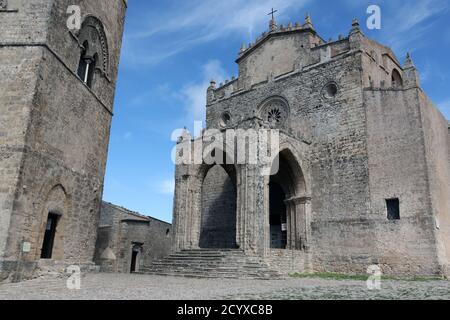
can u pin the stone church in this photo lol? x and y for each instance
(364, 158)
(364, 166)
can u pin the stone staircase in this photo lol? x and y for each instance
(206, 263)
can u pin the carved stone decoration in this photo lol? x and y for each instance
(92, 30)
(3, 4)
(275, 112)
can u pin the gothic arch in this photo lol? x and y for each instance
(287, 205)
(396, 78)
(93, 32)
(218, 214)
(289, 174)
(56, 203)
(300, 164)
(204, 168)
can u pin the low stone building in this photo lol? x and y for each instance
(128, 241)
(364, 165)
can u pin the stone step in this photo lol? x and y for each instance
(210, 260)
(209, 263)
(205, 276)
(205, 262)
(206, 266)
(206, 269)
(215, 273)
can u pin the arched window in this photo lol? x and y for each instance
(90, 72)
(86, 65)
(94, 55)
(397, 81)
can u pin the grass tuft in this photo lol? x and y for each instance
(359, 277)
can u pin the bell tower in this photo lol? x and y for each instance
(57, 85)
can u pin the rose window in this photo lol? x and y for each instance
(275, 113)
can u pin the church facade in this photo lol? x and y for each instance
(364, 165)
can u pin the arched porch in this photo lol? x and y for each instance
(287, 204)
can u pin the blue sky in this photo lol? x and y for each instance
(173, 48)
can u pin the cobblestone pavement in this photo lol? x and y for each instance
(147, 287)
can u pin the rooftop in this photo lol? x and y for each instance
(137, 216)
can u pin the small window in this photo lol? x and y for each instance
(393, 209)
(82, 63)
(87, 65)
(330, 90)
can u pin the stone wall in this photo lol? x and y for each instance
(58, 129)
(397, 167)
(120, 230)
(289, 261)
(435, 130)
(16, 105)
(218, 226)
(279, 54)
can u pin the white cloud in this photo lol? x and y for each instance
(199, 21)
(413, 15)
(194, 94)
(409, 22)
(431, 72)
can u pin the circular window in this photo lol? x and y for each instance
(275, 113)
(330, 90)
(225, 120)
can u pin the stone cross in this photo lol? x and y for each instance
(272, 13)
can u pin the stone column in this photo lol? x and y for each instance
(303, 205)
(289, 225)
(179, 209)
(194, 211)
(266, 213)
(187, 210)
(240, 214)
(261, 216)
(308, 217)
(292, 223)
(251, 210)
(297, 211)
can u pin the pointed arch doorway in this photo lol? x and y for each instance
(218, 208)
(287, 200)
